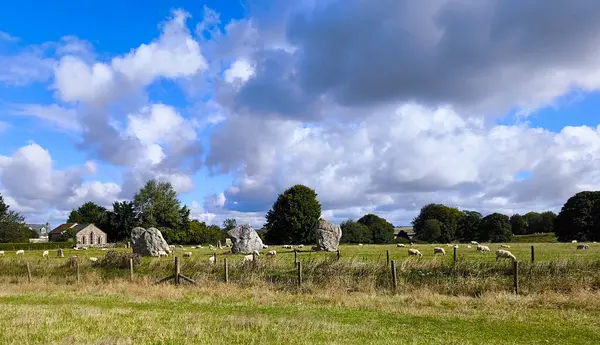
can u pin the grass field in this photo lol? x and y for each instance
(341, 302)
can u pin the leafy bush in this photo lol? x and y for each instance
(114, 259)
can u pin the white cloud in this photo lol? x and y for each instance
(4, 36)
(63, 119)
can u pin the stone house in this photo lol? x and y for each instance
(87, 235)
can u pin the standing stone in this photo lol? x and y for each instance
(148, 242)
(60, 253)
(228, 242)
(244, 239)
(328, 236)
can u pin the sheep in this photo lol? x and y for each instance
(455, 246)
(482, 249)
(20, 252)
(248, 258)
(505, 254)
(93, 259)
(439, 250)
(583, 246)
(300, 246)
(412, 244)
(400, 245)
(75, 248)
(449, 245)
(360, 244)
(414, 252)
(172, 247)
(180, 246)
(212, 259)
(103, 249)
(45, 254)
(474, 243)
(194, 247)
(2, 252)
(84, 248)
(271, 253)
(265, 246)
(574, 241)
(504, 246)
(187, 254)
(287, 246)
(469, 246)
(162, 253)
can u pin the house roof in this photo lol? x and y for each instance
(63, 227)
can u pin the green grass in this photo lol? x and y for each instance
(535, 238)
(123, 313)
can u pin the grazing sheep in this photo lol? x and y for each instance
(482, 249)
(45, 254)
(439, 250)
(180, 246)
(265, 246)
(103, 249)
(1, 252)
(412, 244)
(574, 241)
(93, 259)
(162, 253)
(287, 246)
(360, 244)
(248, 258)
(449, 245)
(414, 252)
(75, 248)
(172, 247)
(504, 246)
(474, 243)
(84, 248)
(194, 247)
(300, 246)
(505, 254)
(400, 245)
(20, 252)
(187, 254)
(583, 246)
(469, 246)
(271, 253)
(212, 259)
(455, 246)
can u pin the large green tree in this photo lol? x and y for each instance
(579, 218)
(447, 217)
(381, 230)
(518, 224)
(547, 221)
(495, 228)
(355, 232)
(467, 226)
(122, 219)
(156, 205)
(89, 213)
(293, 217)
(12, 225)
(431, 229)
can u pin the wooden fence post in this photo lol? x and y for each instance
(131, 269)
(295, 257)
(387, 257)
(338, 254)
(226, 271)
(28, 273)
(516, 276)
(215, 258)
(532, 255)
(454, 255)
(177, 270)
(77, 268)
(394, 276)
(299, 273)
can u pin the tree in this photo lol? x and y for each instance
(518, 224)
(467, 226)
(381, 230)
(446, 216)
(12, 225)
(74, 217)
(402, 237)
(122, 220)
(354, 232)
(293, 217)
(432, 229)
(229, 224)
(156, 205)
(495, 228)
(534, 222)
(89, 213)
(547, 222)
(578, 218)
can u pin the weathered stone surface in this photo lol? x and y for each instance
(148, 242)
(244, 239)
(228, 242)
(60, 253)
(328, 236)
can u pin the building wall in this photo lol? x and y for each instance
(91, 236)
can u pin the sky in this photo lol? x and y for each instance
(380, 106)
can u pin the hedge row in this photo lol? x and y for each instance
(35, 246)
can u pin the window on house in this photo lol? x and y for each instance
(99, 239)
(91, 238)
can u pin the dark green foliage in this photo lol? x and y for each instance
(467, 226)
(446, 216)
(547, 222)
(114, 259)
(229, 224)
(293, 217)
(200, 233)
(518, 224)
(381, 231)
(354, 232)
(88, 213)
(122, 220)
(431, 230)
(12, 225)
(579, 218)
(495, 228)
(68, 235)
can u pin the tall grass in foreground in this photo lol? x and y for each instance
(468, 278)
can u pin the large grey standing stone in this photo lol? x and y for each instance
(148, 242)
(328, 236)
(244, 239)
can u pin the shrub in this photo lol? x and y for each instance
(114, 259)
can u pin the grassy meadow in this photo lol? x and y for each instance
(350, 301)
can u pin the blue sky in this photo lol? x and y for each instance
(98, 97)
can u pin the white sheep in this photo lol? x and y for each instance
(212, 259)
(360, 244)
(483, 249)
(172, 247)
(271, 253)
(194, 247)
(1, 252)
(583, 246)
(93, 259)
(449, 244)
(574, 241)
(400, 245)
(45, 254)
(20, 252)
(265, 246)
(469, 246)
(505, 254)
(180, 246)
(474, 243)
(287, 246)
(456, 246)
(439, 250)
(504, 246)
(248, 258)
(75, 248)
(414, 252)
(103, 249)
(300, 246)
(84, 248)
(162, 253)
(187, 254)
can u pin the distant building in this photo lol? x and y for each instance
(408, 229)
(42, 230)
(86, 234)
